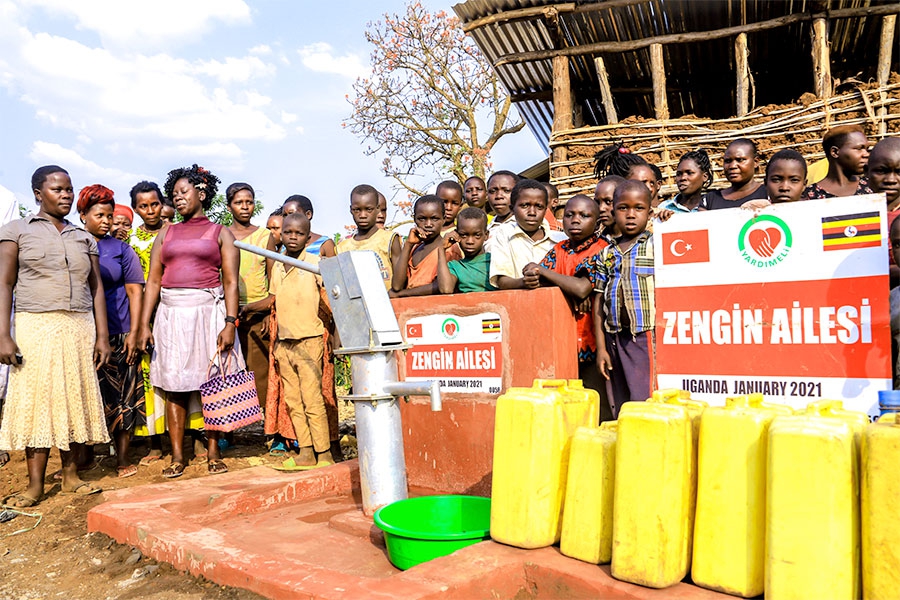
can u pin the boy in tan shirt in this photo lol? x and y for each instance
(300, 348)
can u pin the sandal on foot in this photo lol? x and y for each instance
(127, 471)
(291, 465)
(18, 501)
(150, 459)
(175, 469)
(216, 466)
(82, 489)
(278, 449)
(4, 458)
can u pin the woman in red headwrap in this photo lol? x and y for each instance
(122, 219)
(121, 383)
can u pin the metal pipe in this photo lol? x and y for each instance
(416, 388)
(382, 465)
(279, 257)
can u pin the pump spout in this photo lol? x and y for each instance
(416, 388)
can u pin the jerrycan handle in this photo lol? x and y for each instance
(738, 401)
(549, 383)
(665, 396)
(824, 407)
(610, 426)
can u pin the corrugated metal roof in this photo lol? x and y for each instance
(699, 76)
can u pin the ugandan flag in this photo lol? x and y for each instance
(490, 326)
(848, 232)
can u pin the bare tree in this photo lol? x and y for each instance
(430, 92)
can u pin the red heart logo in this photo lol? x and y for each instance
(450, 329)
(764, 241)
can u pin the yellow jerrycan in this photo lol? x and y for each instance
(812, 499)
(730, 523)
(653, 502)
(588, 513)
(880, 497)
(533, 428)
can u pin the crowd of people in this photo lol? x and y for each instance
(112, 329)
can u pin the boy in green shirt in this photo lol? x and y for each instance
(471, 273)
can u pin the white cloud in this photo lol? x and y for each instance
(288, 118)
(299, 129)
(97, 93)
(261, 50)
(83, 171)
(149, 25)
(236, 70)
(320, 57)
(255, 99)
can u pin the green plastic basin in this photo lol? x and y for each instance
(419, 529)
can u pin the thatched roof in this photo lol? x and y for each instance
(518, 36)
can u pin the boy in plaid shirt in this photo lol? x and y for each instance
(624, 304)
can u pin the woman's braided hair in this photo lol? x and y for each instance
(701, 159)
(616, 159)
(198, 177)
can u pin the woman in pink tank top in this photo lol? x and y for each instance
(194, 280)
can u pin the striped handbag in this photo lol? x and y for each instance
(230, 400)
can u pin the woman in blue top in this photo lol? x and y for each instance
(121, 381)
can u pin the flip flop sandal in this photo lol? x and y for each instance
(19, 501)
(128, 471)
(150, 459)
(82, 489)
(291, 465)
(278, 449)
(175, 469)
(216, 466)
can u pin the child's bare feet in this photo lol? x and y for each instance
(306, 457)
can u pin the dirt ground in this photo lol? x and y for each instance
(59, 559)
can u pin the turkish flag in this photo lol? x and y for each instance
(685, 247)
(413, 330)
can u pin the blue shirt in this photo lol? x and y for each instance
(625, 279)
(119, 264)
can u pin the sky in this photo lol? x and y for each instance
(119, 91)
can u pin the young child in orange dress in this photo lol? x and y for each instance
(415, 269)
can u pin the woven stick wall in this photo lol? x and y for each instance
(775, 127)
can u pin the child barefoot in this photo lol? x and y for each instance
(415, 268)
(624, 310)
(470, 273)
(369, 236)
(300, 347)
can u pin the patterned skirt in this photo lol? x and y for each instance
(53, 398)
(122, 389)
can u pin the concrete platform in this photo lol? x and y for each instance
(303, 535)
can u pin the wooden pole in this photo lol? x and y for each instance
(888, 24)
(658, 72)
(821, 58)
(695, 36)
(605, 92)
(562, 94)
(742, 64)
(562, 114)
